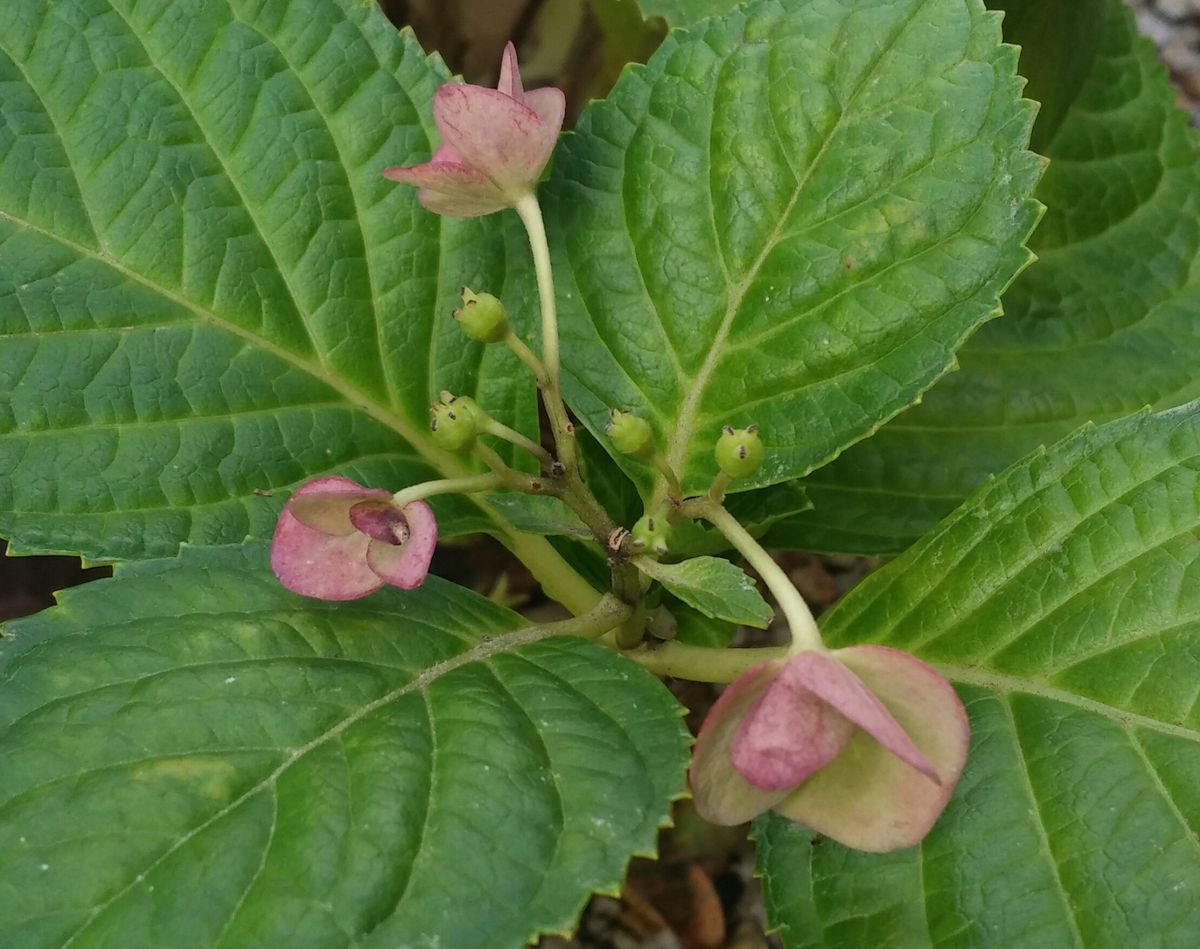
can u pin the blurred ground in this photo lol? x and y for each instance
(701, 894)
(1174, 25)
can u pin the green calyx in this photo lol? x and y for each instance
(651, 535)
(739, 451)
(630, 435)
(454, 421)
(482, 317)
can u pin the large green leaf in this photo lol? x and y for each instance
(1102, 324)
(207, 291)
(791, 216)
(1063, 600)
(194, 757)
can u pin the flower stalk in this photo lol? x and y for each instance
(803, 626)
(490, 426)
(471, 484)
(530, 212)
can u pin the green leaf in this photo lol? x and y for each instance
(792, 216)
(193, 756)
(758, 510)
(207, 291)
(1103, 323)
(713, 586)
(696, 629)
(1063, 600)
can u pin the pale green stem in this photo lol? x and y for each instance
(607, 613)
(510, 477)
(530, 212)
(716, 491)
(668, 473)
(560, 581)
(471, 484)
(702, 664)
(500, 430)
(527, 356)
(799, 618)
(568, 483)
(558, 578)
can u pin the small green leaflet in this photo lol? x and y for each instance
(195, 757)
(792, 216)
(713, 586)
(1063, 600)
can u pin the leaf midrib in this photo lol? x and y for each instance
(1000, 682)
(681, 440)
(442, 461)
(348, 392)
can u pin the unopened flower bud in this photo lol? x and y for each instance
(661, 624)
(453, 423)
(651, 535)
(494, 144)
(739, 451)
(482, 317)
(630, 435)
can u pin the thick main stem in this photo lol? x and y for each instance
(805, 634)
(557, 577)
(700, 663)
(571, 487)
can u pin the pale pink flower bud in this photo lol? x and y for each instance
(336, 540)
(864, 745)
(495, 144)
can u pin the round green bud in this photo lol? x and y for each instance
(482, 317)
(651, 535)
(739, 451)
(661, 624)
(630, 435)
(453, 423)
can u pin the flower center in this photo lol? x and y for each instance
(379, 520)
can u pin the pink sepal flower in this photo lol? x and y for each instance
(495, 144)
(864, 745)
(336, 540)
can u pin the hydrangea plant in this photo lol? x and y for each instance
(283, 304)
